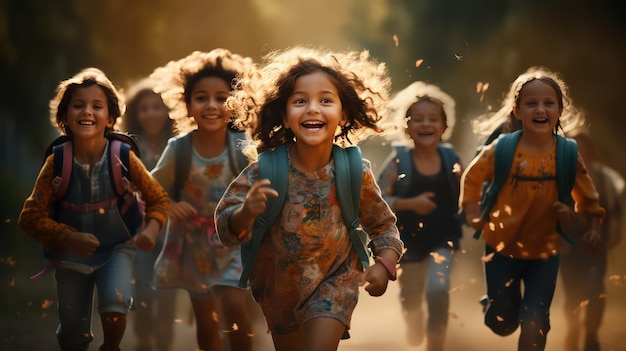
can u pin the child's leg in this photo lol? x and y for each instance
(113, 327)
(115, 296)
(504, 291)
(75, 295)
(236, 321)
(318, 334)
(207, 324)
(322, 334)
(539, 283)
(412, 280)
(437, 296)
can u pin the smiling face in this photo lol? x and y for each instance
(152, 114)
(314, 110)
(207, 104)
(538, 107)
(425, 123)
(88, 113)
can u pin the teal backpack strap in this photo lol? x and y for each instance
(236, 143)
(405, 168)
(348, 178)
(182, 164)
(503, 160)
(449, 158)
(273, 165)
(566, 162)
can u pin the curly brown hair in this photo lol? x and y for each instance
(83, 79)
(260, 101)
(175, 80)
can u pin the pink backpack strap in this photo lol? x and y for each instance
(61, 183)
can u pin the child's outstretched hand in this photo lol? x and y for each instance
(81, 244)
(254, 205)
(181, 210)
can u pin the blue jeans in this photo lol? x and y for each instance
(75, 294)
(510, 308)
(432, 276)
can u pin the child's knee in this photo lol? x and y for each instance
(502, 326)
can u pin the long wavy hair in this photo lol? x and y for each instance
(261, 99)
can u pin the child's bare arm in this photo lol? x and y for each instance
(254, 205)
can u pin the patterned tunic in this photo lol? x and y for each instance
(193, 257)
(307, 267)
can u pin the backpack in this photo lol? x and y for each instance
(129, 202)
(274, 165)
(566, 162)
(183, 151)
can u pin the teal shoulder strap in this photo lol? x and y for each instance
(503, 159)
(182, 164)
(405, 168)
(273, 165)
(236, 143)
(348, 178)
(566, 162)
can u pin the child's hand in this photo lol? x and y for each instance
(593, 237)
(423, 203)
(376, 278)
(146, 239)
(564, 213)
(472, 216)
(81, 244)
(256, 199)
(181, 210)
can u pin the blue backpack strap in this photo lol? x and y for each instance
(236, 143)
(348, 178)
(503, 160)
(449, 158)
(566, 162)
(182, 163)
(273, 165)
(405, 169)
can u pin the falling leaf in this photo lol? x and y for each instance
(584, 304)
(450, 243)
(178, 320)
(453, 315)
(500, 319)
(8, 220)
(458, 57)
(120, 298)
(401, 176)
(439, 259)
(419, 62)
(396, 40)
(508, 283)
(453, 290)
(487, 258)
(12, 282)
(10, 261)
(500, 246)
(46, 304)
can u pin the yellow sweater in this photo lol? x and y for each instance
(523, 220)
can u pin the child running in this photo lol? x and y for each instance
(94, 244)
(522, 228)
(196, 88)
(420, 182)
(148, 118)
(307, 274)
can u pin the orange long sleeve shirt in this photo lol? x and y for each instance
(523, 220)
(36, 216)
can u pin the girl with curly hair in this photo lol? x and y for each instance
(307, 274)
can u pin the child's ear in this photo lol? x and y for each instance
(344, 119)
(111, 122)
(514, 111)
